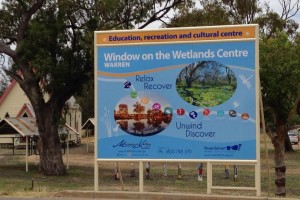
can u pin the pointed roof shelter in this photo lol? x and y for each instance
(89, 124)
(12, 128)
(18, 120)
(26, 126)
(89, 127)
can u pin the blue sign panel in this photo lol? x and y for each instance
(184, 100)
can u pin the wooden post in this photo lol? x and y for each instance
(116, 174)
(121, 178)
(26, 153)
(141, 177)
(68, 143)
(165, 170)
(13, 145)
(265, 143)
(209, 177)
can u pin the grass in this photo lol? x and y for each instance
(15, 182)
(206, 97)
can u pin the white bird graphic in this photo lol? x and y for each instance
(236, 104)
(246, 80)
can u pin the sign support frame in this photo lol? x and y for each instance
(210, 162)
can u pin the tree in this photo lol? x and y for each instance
(50, 43)
(85, 99)
(270, 21)
(138, 108)
(3, 81)
(192, 72)
(280, 66)
(242, 11)
(211, 13)
(279, 72)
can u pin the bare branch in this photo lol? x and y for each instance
(289, 9)
(160, 14)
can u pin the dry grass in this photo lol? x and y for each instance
(15, 182)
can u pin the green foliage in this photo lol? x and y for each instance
(270, 22)
(279, 73)
(242, 11)
(58, 41)
(207, 97)
(217, 12)
(86, 100)
(211, 14)
(53, 49)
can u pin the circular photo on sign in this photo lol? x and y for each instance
(143, 115)
(206, 83)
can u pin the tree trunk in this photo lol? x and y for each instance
(51, 162)
(188, 82)
(280, 168)
(288, 144)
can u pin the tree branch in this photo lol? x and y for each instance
(26, 16)
(289, 10)
(14, 76)
(160, 14)
(7, 50)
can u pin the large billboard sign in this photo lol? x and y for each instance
(187, 93)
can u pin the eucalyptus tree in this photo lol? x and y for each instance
(210, 13)
(280, 81)
(51, 45)
(271, 21)
(242, 11)
(217, 12)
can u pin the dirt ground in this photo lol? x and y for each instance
(79, 155)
